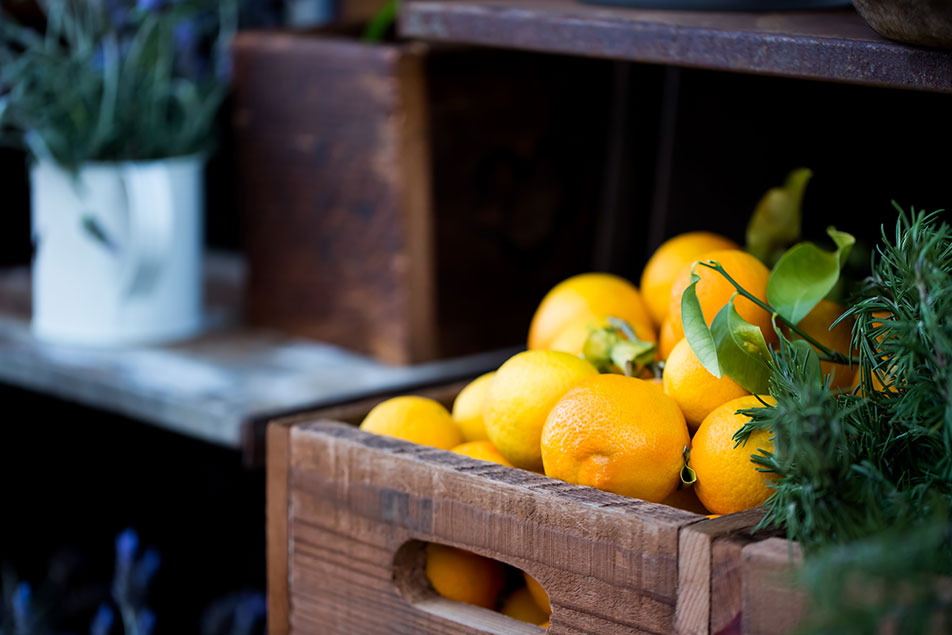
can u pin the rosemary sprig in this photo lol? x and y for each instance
(864, 481)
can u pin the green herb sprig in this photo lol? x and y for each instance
(115, 80)
(864, 480)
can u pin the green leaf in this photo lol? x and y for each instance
(805, 274)
(695, 329)
(741, 350)
(775, 223)
(381, 22)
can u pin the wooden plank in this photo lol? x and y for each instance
(277, 510)
(391, 198)
(709, 564)
(771, 603)
(609, 563)
(219, 387)
(326, 129)
(823, 45)
(411, 157)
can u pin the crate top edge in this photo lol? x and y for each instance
(501, 476)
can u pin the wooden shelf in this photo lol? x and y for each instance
(829, 45)
(222, 386)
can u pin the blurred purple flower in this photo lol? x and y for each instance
(145, 622)
(223, 68)
(118, 13)
(22, 618)
(252, 608)
(103, 620)
(189, 59)
(151, 5)
(145, 570)
(127, 543)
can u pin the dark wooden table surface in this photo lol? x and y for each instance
(220, 387)
(835, 45)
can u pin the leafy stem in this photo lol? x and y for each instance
(827, 354)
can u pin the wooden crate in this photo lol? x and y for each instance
(348, 513)
(394, 195)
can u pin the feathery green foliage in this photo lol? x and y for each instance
(109, 80)
(864, 480)
(848, 466)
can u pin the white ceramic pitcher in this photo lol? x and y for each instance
(118, 251)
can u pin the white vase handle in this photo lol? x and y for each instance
(151, 216)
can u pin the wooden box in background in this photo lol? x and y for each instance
(413, 203)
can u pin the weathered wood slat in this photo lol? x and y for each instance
(360, 507)
(823, 45)
(609, 563)
(709, 583)
(771, 603)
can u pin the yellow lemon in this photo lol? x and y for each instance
(714, 291)
(586, 297)
(667, 339)
(415, 419)
(468, 408)
(482, 450)
(696, 391)
(519, 605)
(619, 434)
(727, 480)
(464, 576)
(519, 399)
(668, 260)
(538, 593)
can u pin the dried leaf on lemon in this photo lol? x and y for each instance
(619, 434)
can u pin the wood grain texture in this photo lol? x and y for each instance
(609, 563)
(277, 529)
(771, 605)
(709, 580)
(393, 195)
(222, 386)
(824, 45)
(335, 193)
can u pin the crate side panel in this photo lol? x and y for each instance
(609, 563)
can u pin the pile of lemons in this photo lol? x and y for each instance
(549, 410)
